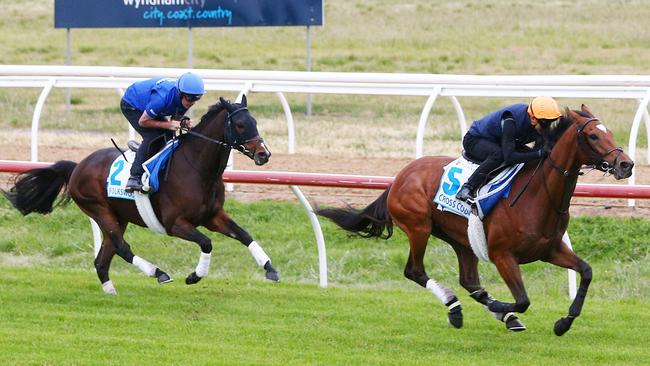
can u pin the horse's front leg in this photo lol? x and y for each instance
(185, 230)
(223, 224)
(509, 270)
(470, 280)
(566, 258)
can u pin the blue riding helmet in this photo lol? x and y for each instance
(191, 84)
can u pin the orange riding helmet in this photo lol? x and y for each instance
(543, 108)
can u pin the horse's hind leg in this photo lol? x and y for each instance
(103, 264)
(223, 224)
(415, 271)
(470, 280)
(114, 233)
(566, 258)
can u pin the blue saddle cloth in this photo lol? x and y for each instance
(157, 163)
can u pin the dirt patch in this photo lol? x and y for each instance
(344, 165)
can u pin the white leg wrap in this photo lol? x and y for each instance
(258, 253)
(204, 265)
(444, 294)
(109, 288)
(146, 267)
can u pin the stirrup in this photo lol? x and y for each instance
(134, 184)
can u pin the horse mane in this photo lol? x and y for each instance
(213, 110)
(557, 129)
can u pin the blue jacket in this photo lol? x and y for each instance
(158, 97)
(489, 127)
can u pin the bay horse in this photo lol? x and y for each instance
(192, 194)
(516, 232)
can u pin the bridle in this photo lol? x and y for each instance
(600, 164)
(599, 159)
(231, 138)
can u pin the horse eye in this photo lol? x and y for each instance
(593, 136)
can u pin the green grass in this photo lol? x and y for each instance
(54, 311)
(58, 317)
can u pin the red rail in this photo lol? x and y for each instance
(357, 181)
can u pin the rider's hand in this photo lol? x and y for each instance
(543, 152)
(174, 125)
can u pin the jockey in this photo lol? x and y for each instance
(147, 105)
(501, 137)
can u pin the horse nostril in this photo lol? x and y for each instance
(626, 165)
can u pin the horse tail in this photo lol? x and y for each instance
(35, 190)
(370, 222)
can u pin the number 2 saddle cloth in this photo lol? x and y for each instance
(120, 171)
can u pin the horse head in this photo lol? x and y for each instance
(240, 132)
(597, 146)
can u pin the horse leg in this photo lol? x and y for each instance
(223, 224)
(566, 258)
(114, 233)
(103, 264)
(185, 230)
(509, 270)
(415, 272)
(470, 280)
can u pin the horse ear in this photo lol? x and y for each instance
(571, 114)
(586, 110)
(226, 104)
(243, 100)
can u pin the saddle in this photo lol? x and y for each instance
(490, 175)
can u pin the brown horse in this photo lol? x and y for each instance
(192, 194)
(525, 231)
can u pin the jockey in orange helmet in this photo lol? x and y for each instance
(501, 137)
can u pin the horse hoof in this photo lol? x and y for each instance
(271, 273)
(514, 324)
(192, 279)
(455, 317)
(164, 278)
(272, 276)
(562, 326)
(109, 288)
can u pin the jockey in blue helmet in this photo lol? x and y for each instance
(154, 108)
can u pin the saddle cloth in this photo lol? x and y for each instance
(118, 175)
(156, 164)
(120, 171)
(457, 172)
